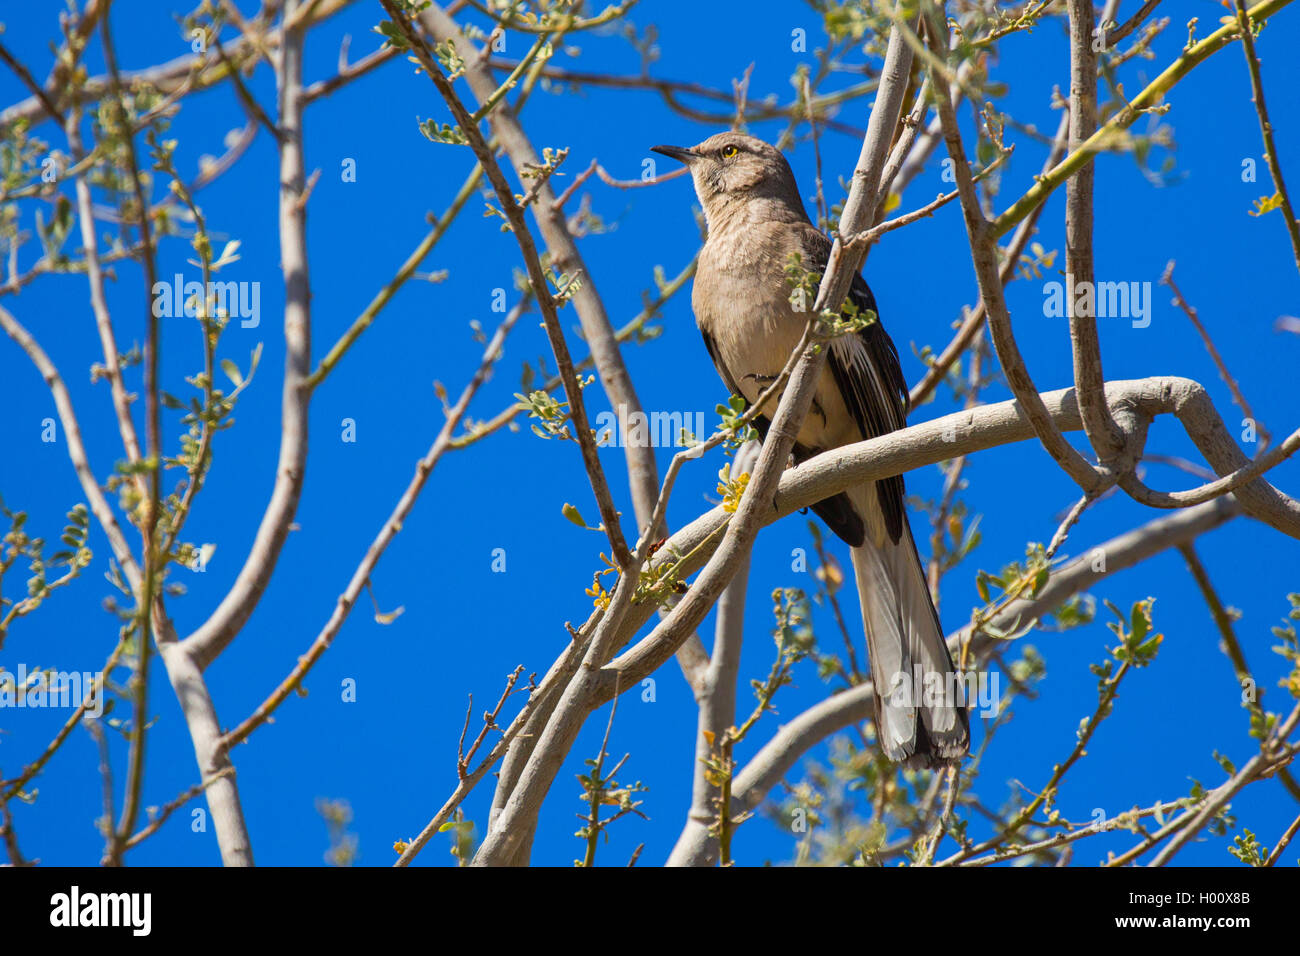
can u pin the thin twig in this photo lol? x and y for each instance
(156, 823)
(1167, 278)
(1283, 842)
(1266, 127)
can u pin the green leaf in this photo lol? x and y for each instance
(1228, 766)
(573, 515)
(232, 371)
(443, 133)
(392, 34)
(1040, 579)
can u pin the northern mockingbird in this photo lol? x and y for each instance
(743, 307)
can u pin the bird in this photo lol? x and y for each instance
(757, 226)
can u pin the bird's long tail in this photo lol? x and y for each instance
(920, 702)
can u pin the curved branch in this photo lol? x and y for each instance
(941, 439)
(216, 633)
(1085, 345)
(982, 237)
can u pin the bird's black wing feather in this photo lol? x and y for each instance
(866, 370)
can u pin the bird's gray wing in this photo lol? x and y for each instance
(865, 368)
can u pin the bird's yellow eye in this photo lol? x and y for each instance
(729, 151)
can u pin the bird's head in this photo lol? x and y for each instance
(732, 170)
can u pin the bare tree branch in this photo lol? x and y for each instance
(717, 703)
(216, 633)
(1085, 346)
(982, 237)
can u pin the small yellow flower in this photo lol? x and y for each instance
(731, 490)
(600, 597)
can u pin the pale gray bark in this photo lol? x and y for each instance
(717, 702)
(213, 636)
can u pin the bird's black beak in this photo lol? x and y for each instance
(679, 153)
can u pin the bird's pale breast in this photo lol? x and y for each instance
(749, 316)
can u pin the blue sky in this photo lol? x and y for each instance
(391, 753)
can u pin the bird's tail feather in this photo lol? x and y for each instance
(920, 703)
